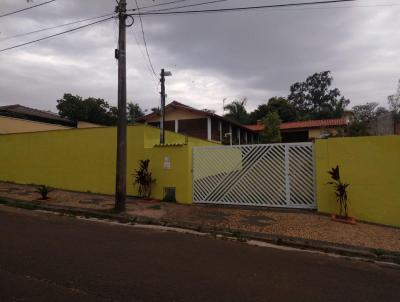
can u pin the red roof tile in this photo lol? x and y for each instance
(304, 124)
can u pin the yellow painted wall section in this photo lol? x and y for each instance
(80, 160)
(84, 160)
(371, 166)
(177, 175)
(16, 125)
(180, 174)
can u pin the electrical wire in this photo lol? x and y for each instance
(144, 38)
(55, 35)
(161, 4)
(245, 8)
(146, 63)
(24, 9)
(188, 5)
(53, 27)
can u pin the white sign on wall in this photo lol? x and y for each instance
(167, 163)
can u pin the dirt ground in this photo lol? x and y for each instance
(303, 224)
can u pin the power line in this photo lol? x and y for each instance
(161, 4)
(146, 63)
(343, 7)
(55, 35)
(188, 5)
(246, 8)
(144, 39)
(24, 9)
(53, 27)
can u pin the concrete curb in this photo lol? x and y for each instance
(299, 243)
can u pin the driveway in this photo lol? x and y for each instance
(44, 257)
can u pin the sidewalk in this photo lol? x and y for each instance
(305, 225)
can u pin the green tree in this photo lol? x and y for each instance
(91, 110)
(134, 112)
(363, 115)
(156, 110)
(286, 110)
(394, 103)
(272, 133)
(237, 111)
(313, 99)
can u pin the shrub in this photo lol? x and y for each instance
(271, 133)
(143, 178)
(44, 191)
(340, 190)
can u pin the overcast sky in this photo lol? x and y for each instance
(212, 56)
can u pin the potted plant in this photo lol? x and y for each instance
(341, 197)
(144, 179)
(44, 191)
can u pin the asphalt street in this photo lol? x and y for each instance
(45, 257)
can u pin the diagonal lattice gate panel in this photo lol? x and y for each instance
(279, 175)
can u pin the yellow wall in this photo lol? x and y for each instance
(84, 159)
(371, 165)
(15, 125)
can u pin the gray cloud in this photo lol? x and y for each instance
(212, 56)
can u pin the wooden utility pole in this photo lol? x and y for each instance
(120, 183)
(162, 120)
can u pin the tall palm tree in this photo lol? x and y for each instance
(237, 111)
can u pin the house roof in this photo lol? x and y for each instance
(22, 112)
(178, 105)
(304, 124)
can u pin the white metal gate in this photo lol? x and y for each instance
(278, 175)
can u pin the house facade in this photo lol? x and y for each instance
(305, 131)
(187, 120)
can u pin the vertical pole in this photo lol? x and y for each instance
(162, 120)
(177, 126)
(120, 183)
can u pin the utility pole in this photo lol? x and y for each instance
(162, 113)
(120, 182)
(162, 119)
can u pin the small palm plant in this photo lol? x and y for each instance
(44, 191)
(340, 191)
(143, 178)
